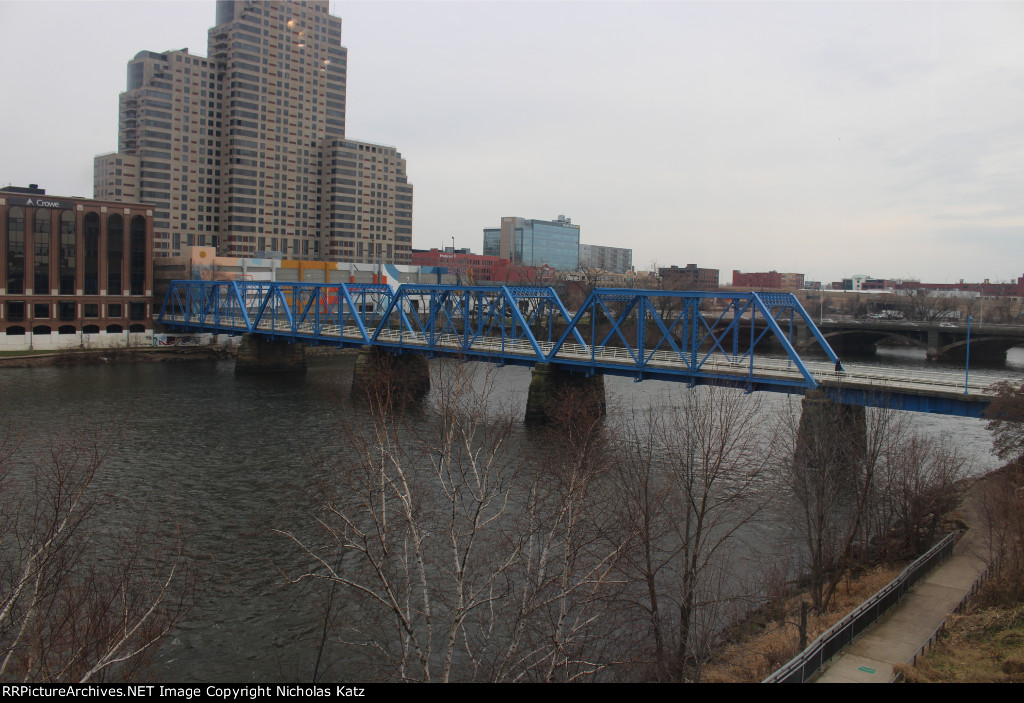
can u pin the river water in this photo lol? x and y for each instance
(229, 457)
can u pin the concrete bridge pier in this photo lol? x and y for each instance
(803, 337)
(257, 355)
(832, 436)
(392, 378)
(556, 394)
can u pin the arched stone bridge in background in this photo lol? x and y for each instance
(940, 339)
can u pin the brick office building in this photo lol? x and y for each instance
(689, 277)
(75, 272)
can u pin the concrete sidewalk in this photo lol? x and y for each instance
(906, 628)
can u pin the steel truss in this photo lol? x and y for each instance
(510, 323)
(692, 336)
(696, 337)
(310, 311)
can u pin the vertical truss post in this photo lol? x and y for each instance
(737, 317)
(694, 342)
(641, 327)
(753, 341)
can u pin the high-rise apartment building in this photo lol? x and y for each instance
(246, 150)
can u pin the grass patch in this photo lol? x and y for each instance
(980, 645)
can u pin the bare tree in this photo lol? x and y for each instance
(832, 473)
(928, 306)
(1005, 417)
(1004, 310)
(80, 599)
(918, 486)
(460, 560)
(858, 476)
(1002, 508)
(695, 475)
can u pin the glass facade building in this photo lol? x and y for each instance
(492, 242)
(535, 242)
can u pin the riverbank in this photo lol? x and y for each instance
(140, 355)
(773, 634)
(982, 641)
(121, 355)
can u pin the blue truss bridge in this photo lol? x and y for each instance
(695, 337)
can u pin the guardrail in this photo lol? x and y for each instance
(807, 663)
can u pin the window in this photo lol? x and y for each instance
(41, 245)
(16, 310)
(68, 244)
(41, 311)
(16, 251)
(137, 255)
(115, 253)
(92, 255)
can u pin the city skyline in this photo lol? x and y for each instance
(246, 150)
(828, 138)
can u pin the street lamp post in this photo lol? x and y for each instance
(967, 365)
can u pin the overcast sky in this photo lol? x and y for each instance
(826, 138)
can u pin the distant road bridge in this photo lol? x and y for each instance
(690, 337)
(939, 338)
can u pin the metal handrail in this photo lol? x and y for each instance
(806, 664)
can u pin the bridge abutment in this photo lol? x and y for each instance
(257, 355)
(556, 393)
(394, 378)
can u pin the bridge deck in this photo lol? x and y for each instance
(863, 378)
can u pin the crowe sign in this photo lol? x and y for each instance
(44, 202)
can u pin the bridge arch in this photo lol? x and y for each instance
(860, 341)
(983, 348)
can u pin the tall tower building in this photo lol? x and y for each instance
(246, 150)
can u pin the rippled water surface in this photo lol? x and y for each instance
(230, 457)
